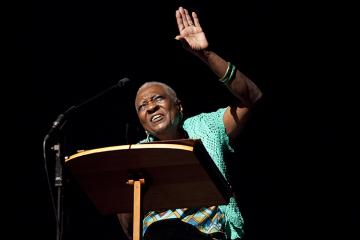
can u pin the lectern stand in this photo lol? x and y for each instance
(176, 173)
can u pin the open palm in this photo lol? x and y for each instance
(190, 31)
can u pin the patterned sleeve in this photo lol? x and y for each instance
(219, 128)
(210, 128)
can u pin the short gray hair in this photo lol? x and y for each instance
(167, 88)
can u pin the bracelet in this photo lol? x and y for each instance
(229, 74)
(226, 73)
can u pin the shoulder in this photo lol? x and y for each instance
(205, 124)
(206, 118)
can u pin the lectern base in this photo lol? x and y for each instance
(137, 207)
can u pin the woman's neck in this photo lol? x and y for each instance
(179, 134)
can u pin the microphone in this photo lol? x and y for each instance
(123, 82)
(58, 123)
(56, 126)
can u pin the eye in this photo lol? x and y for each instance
(141, 107)
(158, 98)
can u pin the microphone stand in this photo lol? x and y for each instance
(57, 125)
(59, 189)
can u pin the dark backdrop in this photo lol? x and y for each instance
(293, 172)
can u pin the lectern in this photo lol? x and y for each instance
(163, 174)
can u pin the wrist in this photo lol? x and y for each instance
(203, 54)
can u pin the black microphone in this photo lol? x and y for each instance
(123, 82)
(58, 123)
(56, 126)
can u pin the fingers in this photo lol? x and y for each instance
(179, 20)
(196, 19)
(184, 19)
(179, 37)
(188, 18)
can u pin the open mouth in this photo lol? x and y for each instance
(156, 118)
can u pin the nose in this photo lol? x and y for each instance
(152, 107)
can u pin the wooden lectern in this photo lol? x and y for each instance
(176, 173)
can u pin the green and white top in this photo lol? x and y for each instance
(209, 127)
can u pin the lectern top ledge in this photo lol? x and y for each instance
(171, 170)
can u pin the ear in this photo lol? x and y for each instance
(179, 105)
(180, 111)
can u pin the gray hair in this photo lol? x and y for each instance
(167, 88)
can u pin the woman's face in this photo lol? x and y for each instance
(158, 112)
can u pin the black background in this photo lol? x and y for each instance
(294, 172)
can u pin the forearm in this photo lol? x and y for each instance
(240, 86)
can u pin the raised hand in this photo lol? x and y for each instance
(190, 31)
